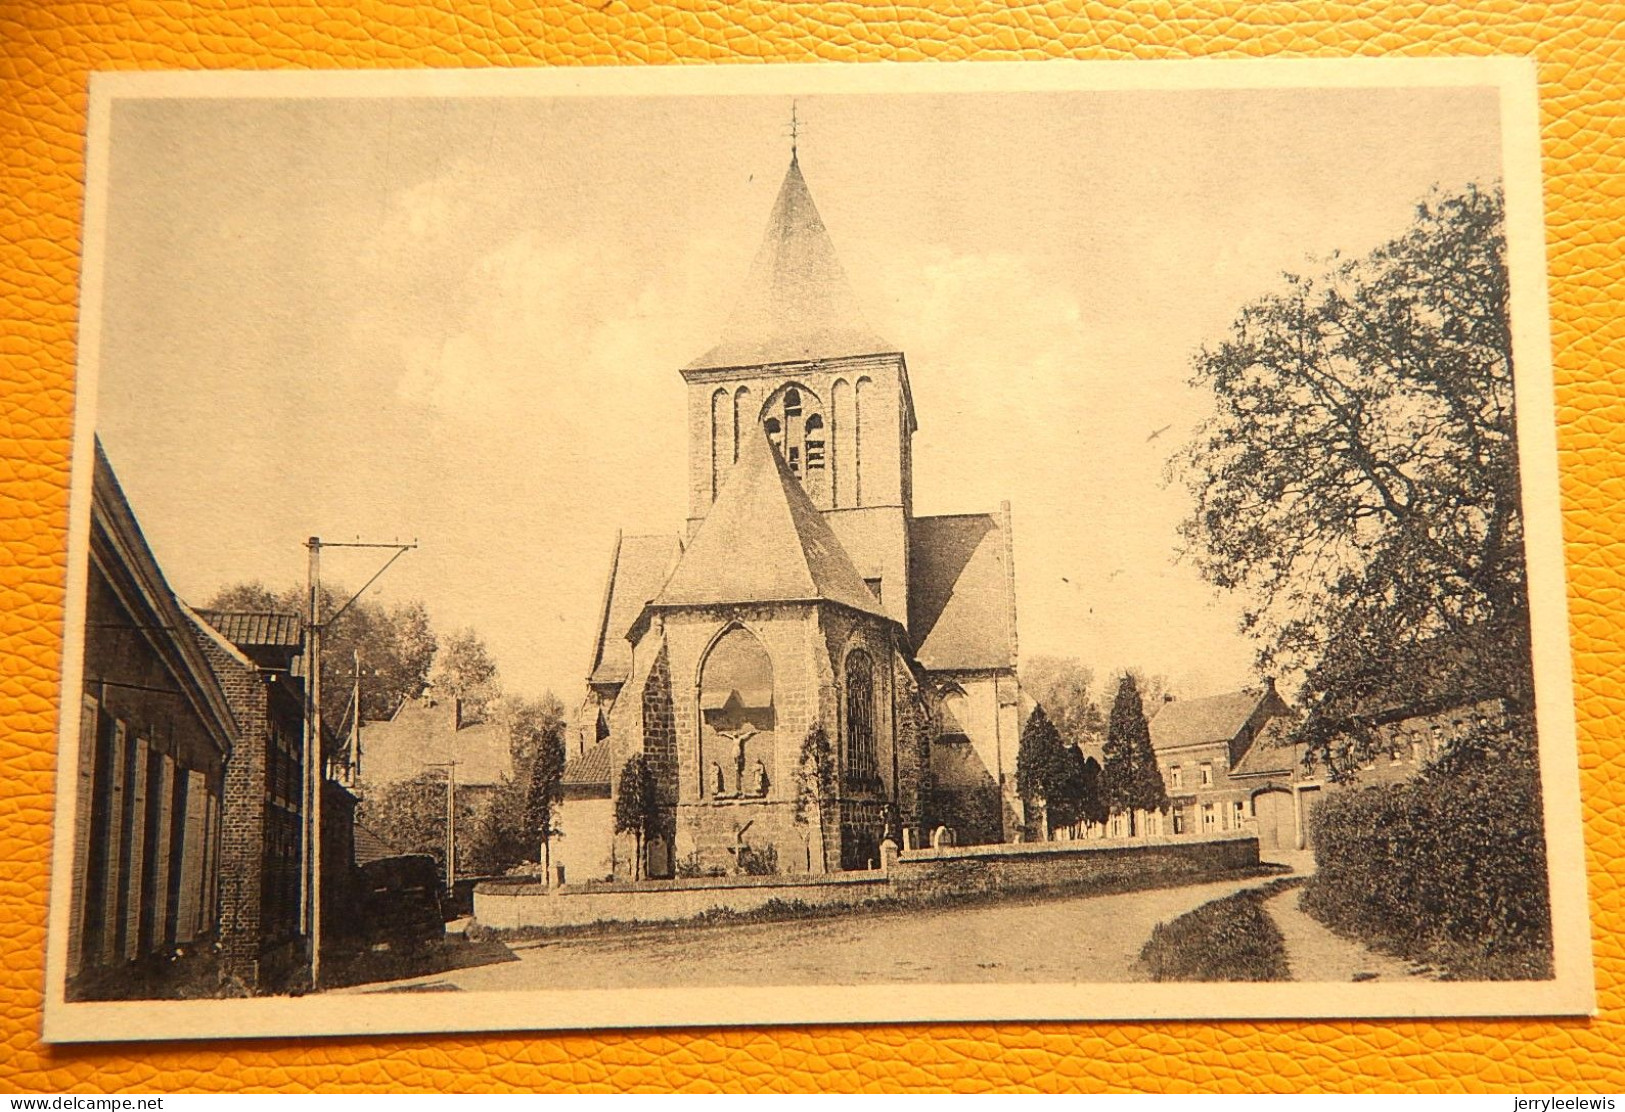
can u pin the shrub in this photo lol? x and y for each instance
(1448, 869)
(759, 862)
(1233, 939)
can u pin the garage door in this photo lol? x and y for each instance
(1276, 826)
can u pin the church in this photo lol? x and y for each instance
(809, 667)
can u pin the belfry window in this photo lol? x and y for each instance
(794, 422)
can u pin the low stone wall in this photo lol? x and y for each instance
(1040, 866)
(927, 874)
(504, 905)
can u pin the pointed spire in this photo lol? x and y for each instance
(797, 303)
(764, 541)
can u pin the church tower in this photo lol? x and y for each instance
(797, 359)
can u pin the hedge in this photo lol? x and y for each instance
(1448, 869)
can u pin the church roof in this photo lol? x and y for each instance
(637, 571)
(797, 303)
(764, 541)
(960, 609)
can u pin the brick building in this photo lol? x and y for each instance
(1201, 745)
(806, 593)
(156, 732)
(253, 656)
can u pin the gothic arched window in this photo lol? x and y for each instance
(862, 765)
(736, 704)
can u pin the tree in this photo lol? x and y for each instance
(815, 785)
(1063, 687)
(1039, 759)
(1358, 483)
(411, 817)
(1131, 782)
(395, 643)
(536, 729)
(635, 805)
(464, 670)
(1053, 777)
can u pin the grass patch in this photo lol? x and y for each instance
(1232, 939)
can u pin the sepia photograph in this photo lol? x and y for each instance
(635, 548)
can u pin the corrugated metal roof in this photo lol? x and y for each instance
(797, 303)
(959, 602)
(764, 541)
(251, 628)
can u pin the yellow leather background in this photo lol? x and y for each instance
(46, 51)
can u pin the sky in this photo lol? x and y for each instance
(461, 320)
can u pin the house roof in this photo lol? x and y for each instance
(1212, 719)
(252, 629)
(369, 846)
(960, 605)
(797, 303)
(764, 541)
(637, 571)
(1270, 754)
(424, 733)
(591, 769)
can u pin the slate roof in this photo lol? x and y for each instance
(423, 733)
(591, 769)
(960, 606)
(637, 571)
(797, 303)
(1212, 719)
(764, 541)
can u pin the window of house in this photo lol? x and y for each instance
(1117, 826)
(1207, 775)
(1176, 776)
(1179, 820)
(1210, 818)
(1238, 814)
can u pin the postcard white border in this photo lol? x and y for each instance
(1571, 993)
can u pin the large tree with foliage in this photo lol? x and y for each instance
(636, 804)
(1064, 687)
(1358, 483)
(1130, 779)
(411, 818)
(396, 646)
(537, 730)
(464, 670)
(521, 819)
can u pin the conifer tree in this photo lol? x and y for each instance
(1131, 780)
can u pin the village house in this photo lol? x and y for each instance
(189, 808)
(155, 734)
(1201, 745)
(424, 737)
(804, 595)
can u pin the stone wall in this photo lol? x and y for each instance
(922, 875)
(965, 870)
(508, 906)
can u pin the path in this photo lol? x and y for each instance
(1051, 940)
(1315, 953)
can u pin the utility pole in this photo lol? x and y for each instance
(355, 724)
(315, 771)
(451, 825)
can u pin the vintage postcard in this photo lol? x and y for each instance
(622, 548)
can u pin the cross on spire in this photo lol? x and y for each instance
(795, 130)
